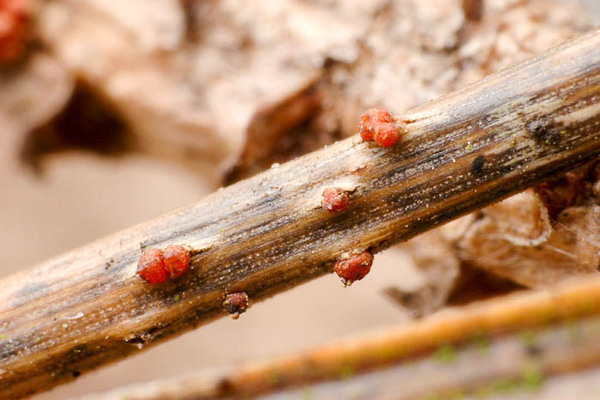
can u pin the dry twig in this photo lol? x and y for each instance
(515, 341)
(268, 233)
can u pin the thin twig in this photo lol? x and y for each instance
(269, 233)
(496, 341)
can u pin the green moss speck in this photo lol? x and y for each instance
(587, 307)
(528, 339)
(307, 393)
(346, 372)
(532, 378)
(481, 342)
(504, 385)
(574, 334)
(274, 378)
(445, 354)
(447, 396)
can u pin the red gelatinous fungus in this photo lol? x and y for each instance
(370, 119)
(378, 125)
(236, 304)
(15, 28)
(335, 199)
(354, 268)
(176, 259)
(151, 266)
(386, 135)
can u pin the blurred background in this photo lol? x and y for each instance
(112, 113)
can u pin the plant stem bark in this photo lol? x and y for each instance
(469, 349)
(269, 233)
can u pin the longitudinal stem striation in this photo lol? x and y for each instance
(269, 233)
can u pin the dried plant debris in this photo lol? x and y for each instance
(228, 91)
(198, 82)
(86, 122)
(22, 109)
(535, 239)
(544, 250)
(440, 270)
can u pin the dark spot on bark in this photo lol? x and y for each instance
(236, 304)
(135, 340)
(77, 354)
(544, 130)
(8, 349)
(108, 263)
(477, 166)
(142, 337)
(76, 374)
(116, 265)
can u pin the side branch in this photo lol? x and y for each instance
(268, 233)
(462, 350)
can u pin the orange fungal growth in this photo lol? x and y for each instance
(151, 266)
(386, 135)
(370, 119)
(155, 265)
(176, 259)
(236, 304)
(354, 268)
(378, 125)
(335, 200)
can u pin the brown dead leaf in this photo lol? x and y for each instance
(229, 89)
